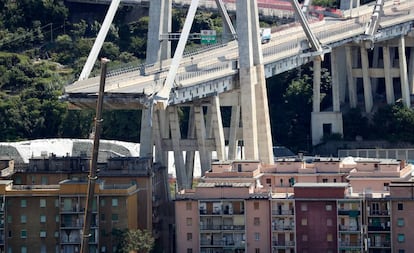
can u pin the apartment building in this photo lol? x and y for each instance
(298, 205)
(42, 204)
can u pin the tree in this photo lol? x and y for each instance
(139, 241)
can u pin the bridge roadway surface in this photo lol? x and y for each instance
(214, 70)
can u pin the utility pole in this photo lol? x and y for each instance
(86, 231)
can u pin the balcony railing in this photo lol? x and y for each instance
(379, 213)
(284, 227)
(283, 243)
(220, 212)
(379, 244)
(222, 227)
(355, 244)
(352, 213)
(378, 228)
(349, 228)
(283, 212)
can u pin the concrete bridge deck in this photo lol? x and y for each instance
(215, 70)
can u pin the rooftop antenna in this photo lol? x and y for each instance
(86, 233)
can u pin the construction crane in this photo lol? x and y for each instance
(86, 231)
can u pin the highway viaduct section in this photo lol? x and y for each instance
(369, 43)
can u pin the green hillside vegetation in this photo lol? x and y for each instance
(43, 47)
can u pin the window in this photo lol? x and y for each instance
(400, 222)
(324, 180)
(304, 207)
(401, 237)
(401, 251)
(304, 238)
(189, 236)
(257, 236)
(42, 234)
(304, 222)
(114, 202)
(256, 205)
(23, 219)
(9, 219)
(102, 217)
(269, 181)
(329, 237)
(44, 180)
(328, 207)
(56, 202)
(23, 249)
(327, 129)
(114, 217)
(57, 218)
(23, 233)
(329, 222)
(103, 232)
(188, 206)
(43, 248)
(56, 234)
(42, 218)
(256, 250)
(189, 250)
(400, 206)
(23, 203)
(102, 202)
(189, 221)
(256, 221)
(42, 202)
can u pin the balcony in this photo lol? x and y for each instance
(379, 244)
(283, 227)
(351, 213)
(283, 243)
(355, 244)
(378, 228)
(283, 212)
(222, 227)
(349, 228)
(379, 213)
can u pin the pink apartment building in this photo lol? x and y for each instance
(297, 205)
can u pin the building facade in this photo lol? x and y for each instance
(43, 203)
(313, 206)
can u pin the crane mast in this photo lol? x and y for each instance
(86, 231)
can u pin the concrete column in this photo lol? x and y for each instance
(217, 126)
(160, 130)
(234, 128)
(375, 59)
(246, 32)
(190, 154)
(182, 177)
(389, 85)
(201, 138)
(316, 84)
(263, 119)
(404, 73)
(411, 71)
(159, 23)
(248, 112)
(366, 79)
(342, 78)
(146, 134)
(335, 81)
(352, 90)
